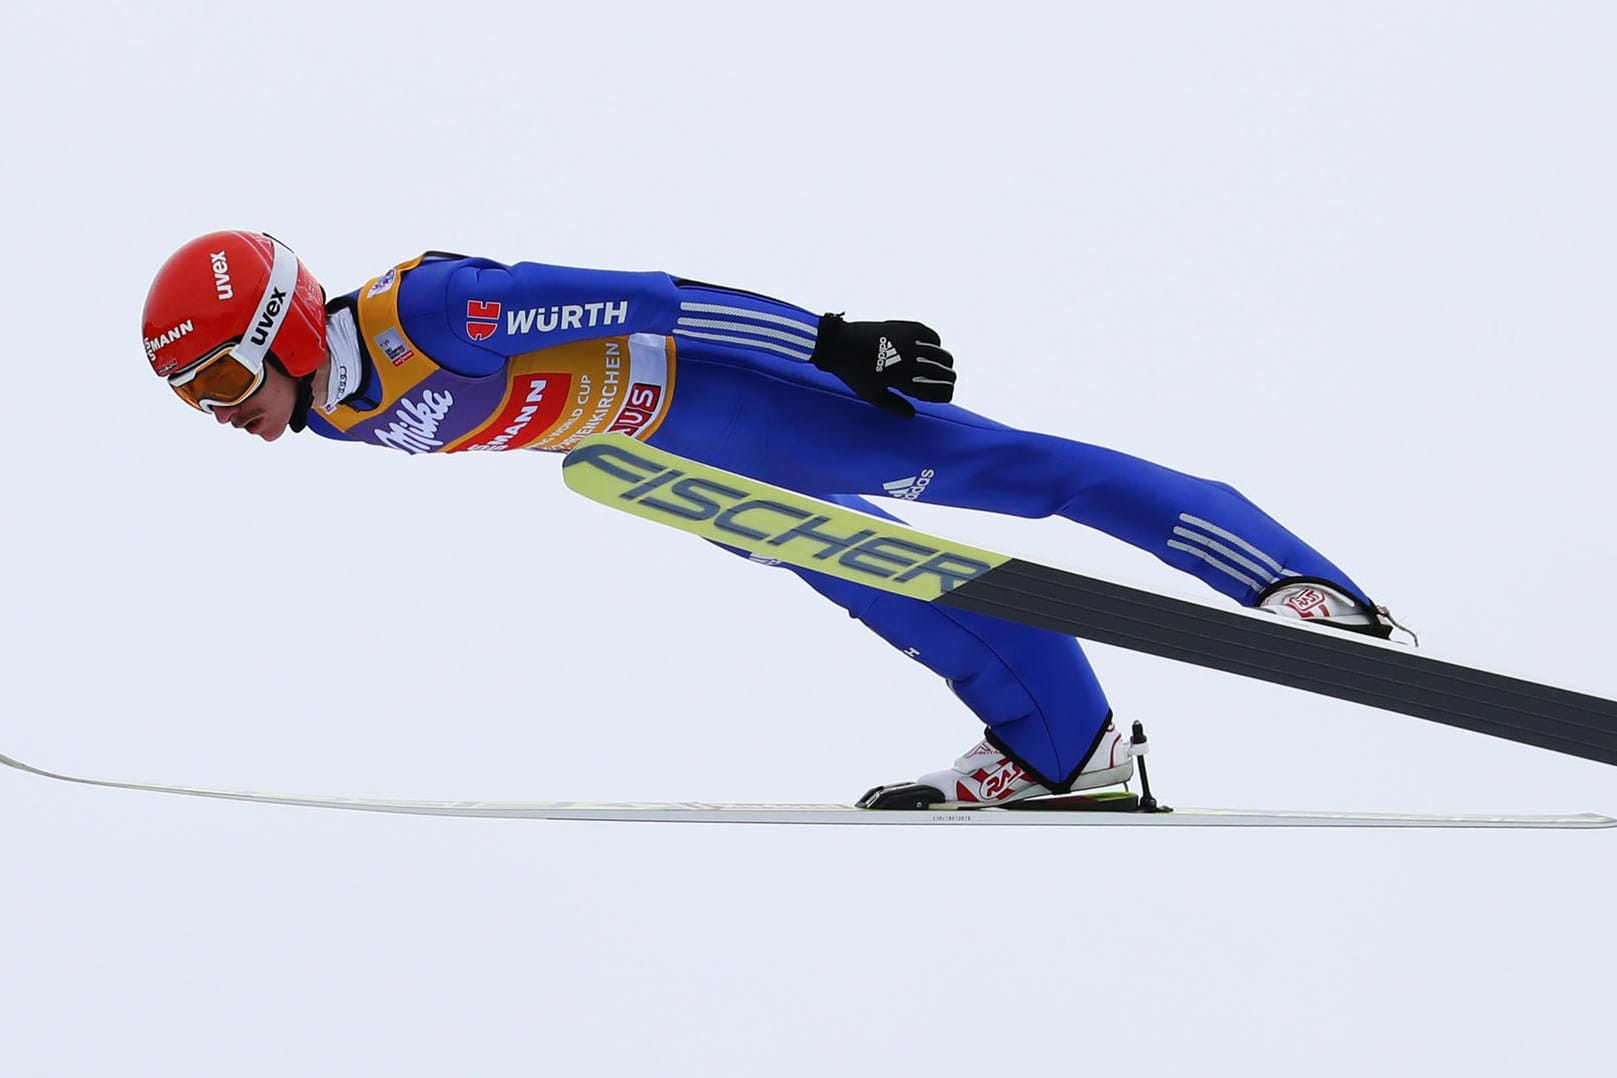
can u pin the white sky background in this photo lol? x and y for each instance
(1357, 263)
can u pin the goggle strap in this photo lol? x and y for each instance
(273, 307)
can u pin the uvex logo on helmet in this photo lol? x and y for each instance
(264, 329)
(221, 275)
(235, 288)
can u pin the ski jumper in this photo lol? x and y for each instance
(456, 354)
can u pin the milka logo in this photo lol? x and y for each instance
(221, 275)
(566, 316)
(415, 430)
(272, 314)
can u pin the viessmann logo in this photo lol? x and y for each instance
(535, 405)
(163, 340)
(769, 524)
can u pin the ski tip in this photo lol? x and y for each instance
(1594, 819)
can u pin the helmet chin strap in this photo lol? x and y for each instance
(302, 402)
(300, 407)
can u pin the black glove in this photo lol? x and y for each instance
(875, 358)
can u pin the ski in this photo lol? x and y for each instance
(779, 524)
(1095, 810)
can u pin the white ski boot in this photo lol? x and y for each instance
(984, 775)
(1323, 603)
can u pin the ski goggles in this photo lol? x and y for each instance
(218, 380)
(233, 372)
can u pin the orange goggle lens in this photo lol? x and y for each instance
(220, 380)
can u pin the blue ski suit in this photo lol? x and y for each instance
(448, 354)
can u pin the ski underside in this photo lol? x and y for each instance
(1106, 809)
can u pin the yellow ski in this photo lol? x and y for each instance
(766, 520)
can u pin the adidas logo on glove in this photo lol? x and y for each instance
(886, 355)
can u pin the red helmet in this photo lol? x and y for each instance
(229, 287)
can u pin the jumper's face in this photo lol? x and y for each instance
(268, 410)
